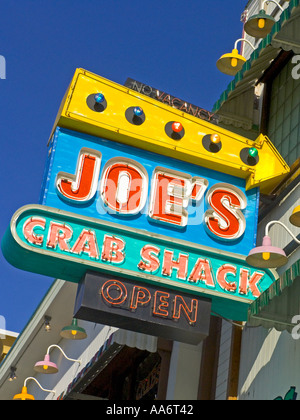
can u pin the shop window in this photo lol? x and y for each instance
(147, 378)
(131, 375)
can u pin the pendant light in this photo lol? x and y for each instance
(233, 62)
(268, 256)
(48, 367)
(73, 331)
(260, 25)
(24, 396)
(295, 217)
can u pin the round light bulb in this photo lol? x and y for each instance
(215, 138)
(261, 23)
(45, 367)
(99, 97)
(266, 256)
(138, 111)
(177, 127)
(253, 152)
(73, 332)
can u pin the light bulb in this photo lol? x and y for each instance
(266, 256)
(215, 138)
(99, 97)
(234, 62)
(45, 367)
(177, 127)
(138, 111)
(74, 332)
(253, 152)
(261, 23)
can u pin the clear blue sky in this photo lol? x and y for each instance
(171, 45)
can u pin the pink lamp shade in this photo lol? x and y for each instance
(267, 256)
(46, 366)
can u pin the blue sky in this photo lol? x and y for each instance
(171, 45)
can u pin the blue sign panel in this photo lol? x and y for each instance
(132, 187)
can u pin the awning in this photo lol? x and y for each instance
(276, 307)
(285, 35)
(106, 353)
(134, 339)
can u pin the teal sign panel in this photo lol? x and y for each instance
(65, 245)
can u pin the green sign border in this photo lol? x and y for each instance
(70, 267)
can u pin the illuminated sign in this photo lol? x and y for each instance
(101, 108)
(150, 192)
(172, 101)
(139, 189)
(65, 245)
(161, 312)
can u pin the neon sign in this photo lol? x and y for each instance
(172, 101)
(124, 186)
(65, 245)
(147, 309)
(150, 192)
(139, 189)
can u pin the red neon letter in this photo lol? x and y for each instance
(225, 220)
(161, 302)
(140, 296)
(28, 228)
(59, 234)
(124, 187)
(191, 313)
(114, 292)
(181, 265)
(83, 185)
(247, 283)
(168, 202)
(222, 277)
(87, 243)
(202, 272)
(170, 195)
(113, 249)
(150, 261)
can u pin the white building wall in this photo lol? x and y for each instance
(270, 364)
(184, 372)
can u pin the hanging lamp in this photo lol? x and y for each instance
(233, 62)
(268, 256)
(24, 396)
(48, 367)
(73, 331)
(295, 217)
(261, 24)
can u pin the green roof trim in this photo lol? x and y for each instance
(286, 14)
(285, 280)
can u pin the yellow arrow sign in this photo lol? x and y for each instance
(102, 108)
